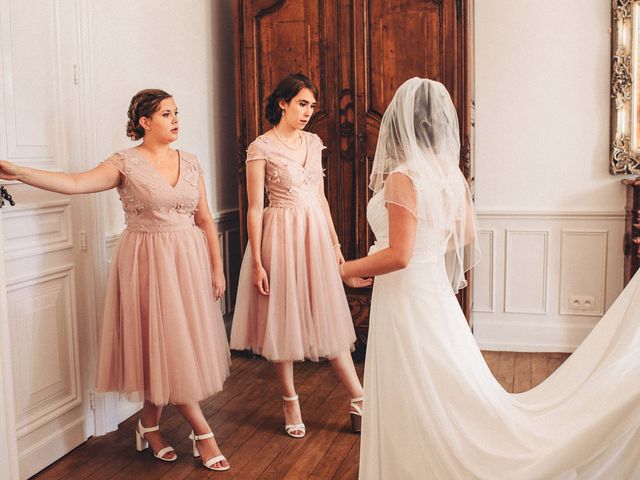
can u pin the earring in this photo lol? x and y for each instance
(283, 111)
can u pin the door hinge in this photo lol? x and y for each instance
(92, 400)
(76, 75)
(83, 241)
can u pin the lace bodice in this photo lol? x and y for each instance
(429, 244)
(289, 183)
(149, 202)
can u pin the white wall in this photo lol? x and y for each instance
(550, 213)
(185, 48)
(542, 97)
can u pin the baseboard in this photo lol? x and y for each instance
(553, 335)
(52, 447)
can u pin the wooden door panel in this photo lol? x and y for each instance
(287, 30)
(277, 38)
(400, 39)
(407, 39)
(394, 41)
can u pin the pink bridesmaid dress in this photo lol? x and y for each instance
(306, 315)
(163, 337)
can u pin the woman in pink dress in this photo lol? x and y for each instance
(163, 338)
(291, 304)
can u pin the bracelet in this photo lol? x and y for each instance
(336, 245)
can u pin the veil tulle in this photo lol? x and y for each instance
(419, 137)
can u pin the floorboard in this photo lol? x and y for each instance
(247, 420)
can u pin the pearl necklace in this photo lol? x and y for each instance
(285, 143)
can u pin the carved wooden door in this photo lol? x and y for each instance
(394, 41)
(358, 52)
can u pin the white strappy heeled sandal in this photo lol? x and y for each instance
(142, 443)
(355, 412)
(294, 427)
(212, 461)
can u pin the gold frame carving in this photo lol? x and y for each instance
(625, 87)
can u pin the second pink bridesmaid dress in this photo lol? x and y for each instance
(306, 315)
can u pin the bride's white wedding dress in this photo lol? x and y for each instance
(433, 410)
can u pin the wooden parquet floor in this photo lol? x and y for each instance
(247, 420)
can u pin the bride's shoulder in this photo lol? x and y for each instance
(401, 178)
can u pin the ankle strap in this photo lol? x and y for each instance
(204, 436)
(142, 430)
(358, 399)
(290, 399)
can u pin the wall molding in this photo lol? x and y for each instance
(589, 266)
(532, 214)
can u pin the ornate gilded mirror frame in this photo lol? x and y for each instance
(625, 87)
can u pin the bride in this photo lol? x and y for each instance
(433, 410)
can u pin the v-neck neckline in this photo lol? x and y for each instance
(172, 187)
(305, 161)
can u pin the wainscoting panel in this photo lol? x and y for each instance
(526, 258)
(228, 225)
(545, 278)
(584, 253)
(484, 298)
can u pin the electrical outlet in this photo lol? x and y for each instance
(581, 302)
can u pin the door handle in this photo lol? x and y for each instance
(4, 195)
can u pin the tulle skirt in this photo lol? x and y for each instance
(434, 410)
(163, 337)
(306, 315)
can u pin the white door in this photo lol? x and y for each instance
(50, 305)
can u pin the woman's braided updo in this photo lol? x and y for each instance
(143, 104)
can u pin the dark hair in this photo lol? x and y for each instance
(288, 88)
(143, 104)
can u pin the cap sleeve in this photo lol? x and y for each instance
(318, 141)
(116, 161)
(254, 152)
(399, 190)
(197, 165)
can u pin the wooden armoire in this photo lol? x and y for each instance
(358, 52)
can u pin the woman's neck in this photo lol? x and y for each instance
(287, 132)
(156, 148)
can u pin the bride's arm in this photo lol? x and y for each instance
(402, 235)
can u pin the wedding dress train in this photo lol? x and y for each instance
(433, 410)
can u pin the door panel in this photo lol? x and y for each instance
(48, 296)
